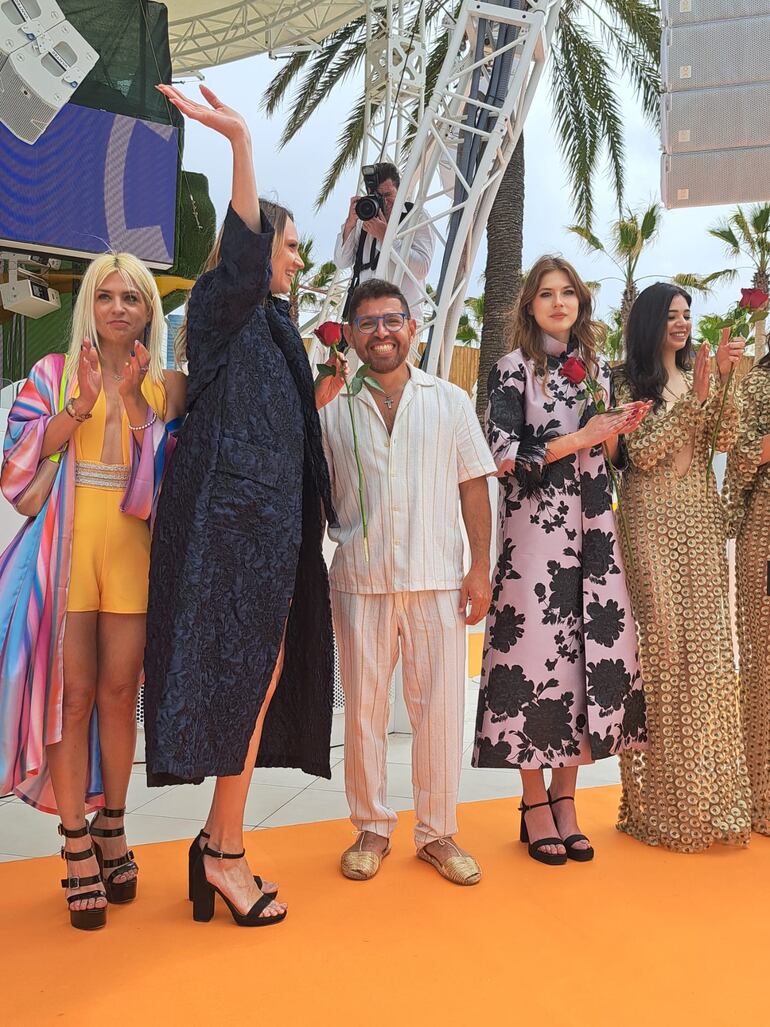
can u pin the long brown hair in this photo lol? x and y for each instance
(528, 335)
(279, 217)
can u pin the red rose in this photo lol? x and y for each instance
(753, 299)
(574, 370)
(329, 333)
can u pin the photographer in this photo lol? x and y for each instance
(359, 242)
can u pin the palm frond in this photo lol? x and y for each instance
(594, 78)
(650, 222)
(575, 128)
(331, 68)
(323, 276)
(693, 283)
(592, 242)
(740, 222)
(348, 149)
(628, 238)
(724, 232)
(638, 62)
(281, 82)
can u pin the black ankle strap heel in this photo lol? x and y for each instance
(203, 893)
(83, 919)
(579, 855)
(535, 849)
(194, 854)
(125, 891)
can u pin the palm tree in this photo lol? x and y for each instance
(747, 233)
(593, 40)
(306, 286)
(630, 234)
(471, 323)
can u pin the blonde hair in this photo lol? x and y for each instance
(528, 335)
(136, 276)
(279, 217)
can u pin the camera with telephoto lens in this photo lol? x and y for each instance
(369, 206)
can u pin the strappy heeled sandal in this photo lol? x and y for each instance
(579, 855)
(203, 894)
(195, 854)
(83, 919)
(553, 859)
(124, 891)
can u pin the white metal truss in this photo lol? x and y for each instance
(394, 98)
(458, 215)
(204, 33)
(456, 201)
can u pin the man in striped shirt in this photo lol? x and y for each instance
(425, 462)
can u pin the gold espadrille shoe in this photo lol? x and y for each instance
(360, 864)
(459, 869)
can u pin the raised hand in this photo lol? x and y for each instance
(729, 352)
(89, 377)
(701, 373)
(134, 373)
(376, 226)
(214, 114)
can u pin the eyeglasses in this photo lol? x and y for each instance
(367, 325)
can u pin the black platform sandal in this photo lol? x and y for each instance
(125, 891)
(203, 893)
(535, 848)
(196, 852)
(83, 919)
(579, 855)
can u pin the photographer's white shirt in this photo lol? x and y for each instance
(418, 262)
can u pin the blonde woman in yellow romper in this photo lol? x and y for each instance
(71, 733)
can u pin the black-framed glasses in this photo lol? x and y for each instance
(367, 323)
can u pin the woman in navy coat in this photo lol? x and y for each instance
(239, 659)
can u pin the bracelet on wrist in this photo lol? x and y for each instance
(142, 427)
(69, 408)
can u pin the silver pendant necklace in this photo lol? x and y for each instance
(389, 400)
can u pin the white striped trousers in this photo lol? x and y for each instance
(431, 632)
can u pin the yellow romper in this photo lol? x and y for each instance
(110, 550)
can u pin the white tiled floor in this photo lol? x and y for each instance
(277, 798)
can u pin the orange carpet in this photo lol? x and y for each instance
(475, 648)
(639, 937)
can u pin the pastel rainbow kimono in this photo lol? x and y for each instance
(34, 580)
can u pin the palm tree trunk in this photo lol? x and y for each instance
(629, 298)
(505, 246)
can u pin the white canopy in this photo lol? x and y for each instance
(204, 33)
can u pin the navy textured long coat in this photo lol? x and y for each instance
(237, 540)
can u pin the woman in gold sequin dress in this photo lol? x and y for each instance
(690, 788)
(748, 503)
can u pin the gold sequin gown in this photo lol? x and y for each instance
(689, 788)
(747, 491)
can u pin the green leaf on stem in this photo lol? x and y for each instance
(326, 371)
(373, 384)
(355, 385)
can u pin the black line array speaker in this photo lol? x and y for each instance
(715, 108)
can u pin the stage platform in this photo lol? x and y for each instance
(639, 937)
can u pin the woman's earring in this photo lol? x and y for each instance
(146, 333)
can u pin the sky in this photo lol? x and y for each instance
(293, 175)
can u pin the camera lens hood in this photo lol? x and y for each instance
(368, 207)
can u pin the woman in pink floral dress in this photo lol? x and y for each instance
(560, 683)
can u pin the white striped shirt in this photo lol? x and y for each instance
(411, 481)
